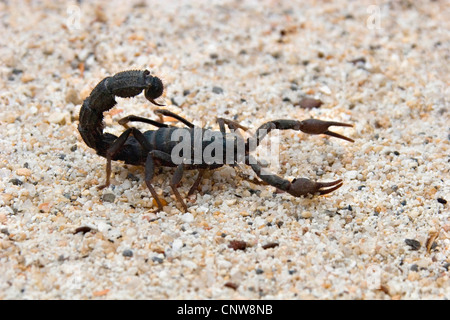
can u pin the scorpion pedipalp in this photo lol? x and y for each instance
(303, 186)
(315, 126)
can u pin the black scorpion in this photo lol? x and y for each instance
(154, 147)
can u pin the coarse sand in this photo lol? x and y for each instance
(382, 66)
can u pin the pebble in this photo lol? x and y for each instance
(73, 96)
(16, 182)
(414, 244)
(217, 90)
(108, 197)
(25, 172)
(310, 103)
(58, 117)
(237, 245)
(127, 253)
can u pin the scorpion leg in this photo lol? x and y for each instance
(167, 113)
(132, 118)
(165, 157)
(149, 173)
(112, 150)
(175, 182)
(197, 182)
(233, 125)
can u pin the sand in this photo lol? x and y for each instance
(384, 67)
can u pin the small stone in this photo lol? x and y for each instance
(231, 285)
(414, 267)
(177, 245)
(16, 182)
(259, 271)
(414, 244)
(57, 117)
(157, 259)
(442, 200)
(361, 60)
(306, 214)
(27, 78)
(309, 103)
(83, 229)
(237, 245)
(127, 253)
(23, 172)
(270, 245)
(108, 197)
(217, 90)
(73, 96)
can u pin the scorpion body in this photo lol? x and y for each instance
(154, 148)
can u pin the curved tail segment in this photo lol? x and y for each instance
(124, 84)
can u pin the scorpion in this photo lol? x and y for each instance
(154, 148)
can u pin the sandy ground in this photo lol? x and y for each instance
(382, 66)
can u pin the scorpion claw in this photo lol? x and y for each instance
(302, 187)
(156, 103)
(314, 126)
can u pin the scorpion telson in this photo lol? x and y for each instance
(155, 148)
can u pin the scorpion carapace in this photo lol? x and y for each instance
(158, 147)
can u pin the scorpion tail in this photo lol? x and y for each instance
(124, 84)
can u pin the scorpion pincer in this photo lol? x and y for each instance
(155, 147)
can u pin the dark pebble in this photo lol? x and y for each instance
(270, 245)
(414, 267)
(358, 60)
(5, 231)
(108, 197)
(16, 71)
(16, 182)
(403, 202)
(174, 102)
(157, 259)
(237, 245)
(259, 271)
(447, 266)
(442, 200)
(309, 103)
(414, 244)
(83, 229)
(231, 285)
(217, 90)
(291, 272)
(73, 148)
(132, 177)
(127, 253)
